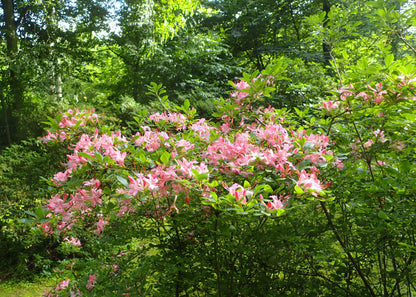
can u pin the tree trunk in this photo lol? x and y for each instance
(5, 118)
(56, 75)
(14, 80)
(326, 48)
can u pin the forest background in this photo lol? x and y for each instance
(342, 69)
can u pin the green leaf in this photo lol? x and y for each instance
(308, 146)
(123, 181)
(388, 60)
(408, 246)
(31, 213)
(382, 215)
(186, 104)
(40, 212)
(99, 157)
(165, 158)
(142, 156)
(87, 156)
(298, 190)
(268, 189)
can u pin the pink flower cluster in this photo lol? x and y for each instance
(67, 208)
(171, 117)
(264, 145)
(239, 192)
(310, 183)
(62, 286)
(70, 120)
(106, 145)
(240, 94)
(329, 105)
(73, 241)
(92, 280)
(374, 95)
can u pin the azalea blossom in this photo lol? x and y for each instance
(275, 204)
(329, 105)
(346, 92)
(310, 183)
(239, 193)
(73, 241)
(368, 143)
(100, 225)
(380, 135)
(92, 280)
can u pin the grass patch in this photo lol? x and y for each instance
(36, 288)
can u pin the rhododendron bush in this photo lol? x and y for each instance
(249, 162)
(185, 204)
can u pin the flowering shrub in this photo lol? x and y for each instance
(374, 125)
(251, 162)
(190, 205)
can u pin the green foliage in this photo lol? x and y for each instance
(303, 84)
(23, 168)
(372, 215)
(259, 31)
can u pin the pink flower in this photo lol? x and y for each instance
(380, 135)
(315, 158)
(73, 241)
(61, 177)
(346, 92)
(239, 193)
(276, 203)
(242, 85)
(202, 129)
(339, 164)
(57, 205)
(185, 145)
(378, 93)
(84, 143)
(100, 225)
(92, 183)
(172, 117)
(92, 280)
(368, 143)
(151, 139)
(50, 137)
(226, 127)
(238, 96)
(116, 155)
(329, 105)
(309, 182)
(398, 145)
(121, 254)
(62, 285)
(47, 228)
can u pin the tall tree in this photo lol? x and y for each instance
(145, 27)
(13, 78)
(262, 30)
(37, 34)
